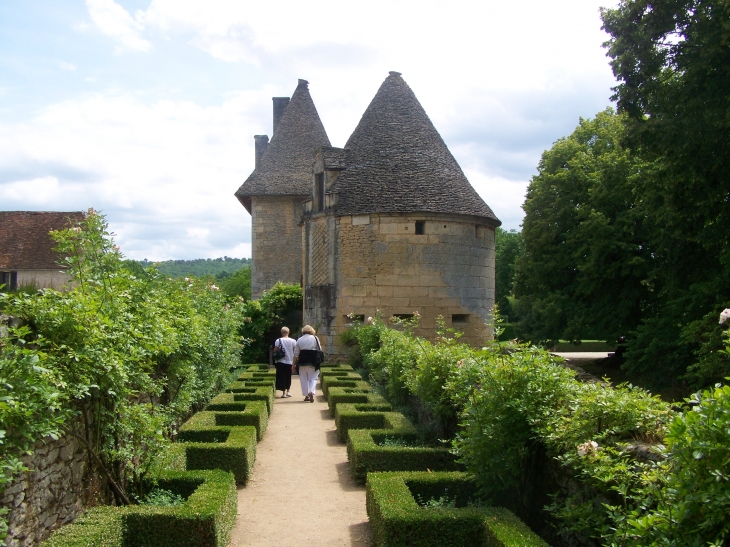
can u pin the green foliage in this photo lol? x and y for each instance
(398, 520)
(693, 508)
(162, 498)
(368, 416)
(264, 315)
(584, 272)
(508, 248)
(220, 268)
(238, 284)
(129, 353)
(205, 519)
(33, 401)
(393, 450)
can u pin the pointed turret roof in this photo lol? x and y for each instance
(286, 166)
(398, 162)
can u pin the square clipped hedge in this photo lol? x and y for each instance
(204, 520)
(236, 401)
(217, 447)
(348, 379)
(253, 413)
(367, 454)
(345, 395)
(397, 520)
(369, 416)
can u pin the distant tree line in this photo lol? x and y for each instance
(232, 275)
(627, 223)
(199, 267)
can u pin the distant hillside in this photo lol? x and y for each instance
(217, 267)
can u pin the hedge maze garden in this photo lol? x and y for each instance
(215, 450)
(417, 495)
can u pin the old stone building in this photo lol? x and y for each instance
(27, 258)
(280, 182)
(391, 225)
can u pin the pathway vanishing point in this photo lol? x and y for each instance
(300, 492)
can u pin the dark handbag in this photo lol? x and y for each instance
(279, 352)
(319, 356)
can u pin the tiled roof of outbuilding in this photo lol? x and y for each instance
(286, 166)
(398, 162)
(24, 240)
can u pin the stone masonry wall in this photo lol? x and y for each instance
(276, 240)
(382, 264)
(51, 494)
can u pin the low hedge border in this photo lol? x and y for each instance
(369, 416)
(245, 386)
(344, 395)
(204, 520)
(348, 379)
(397, 520)
(236, 401)
(253, 414)
(366, 454)
(214, 447)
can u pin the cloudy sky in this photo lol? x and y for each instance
(146, 109)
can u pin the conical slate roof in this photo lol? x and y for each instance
(398, 162)
(286, 166)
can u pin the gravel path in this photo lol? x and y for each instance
(300, 492)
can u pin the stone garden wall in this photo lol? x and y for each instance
(51, 494)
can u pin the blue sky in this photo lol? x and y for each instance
(146, 109)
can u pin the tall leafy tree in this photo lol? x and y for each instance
(672, 62)
(585, 268)
(508, 248)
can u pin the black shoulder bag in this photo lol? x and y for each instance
(279, 352)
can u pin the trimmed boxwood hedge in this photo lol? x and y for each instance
(366, 454)
(232, 401)
(369, 416)
(397, 520)
(253, 414)
(344, 395)
(204, 520)
(228, 448)
(348, 379)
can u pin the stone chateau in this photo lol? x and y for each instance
(388, 223)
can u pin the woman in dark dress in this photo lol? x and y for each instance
(284, 364)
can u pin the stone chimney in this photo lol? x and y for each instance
(262, 142)
(279, 106)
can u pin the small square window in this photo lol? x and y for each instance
(420, 227)
(459, 318)
(403, 316)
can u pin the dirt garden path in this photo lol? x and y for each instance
(300, 492)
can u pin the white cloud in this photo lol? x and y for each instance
(164, 173)
(114, 21)
(63, 65)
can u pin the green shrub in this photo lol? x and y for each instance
(339, 395)
(236, 401)
(204, 520)
(397, 520)
(253, 414)
(228, 448)
(352, 380)
(367, 451)
(98, 527)
(369, 416)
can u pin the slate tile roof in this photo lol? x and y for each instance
(398, 162)
(286, 166)
(24, 240)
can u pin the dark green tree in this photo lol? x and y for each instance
(238, 284)
(584, 270)
(508, 248)
(672, 62)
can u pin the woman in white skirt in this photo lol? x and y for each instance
(305, 359)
